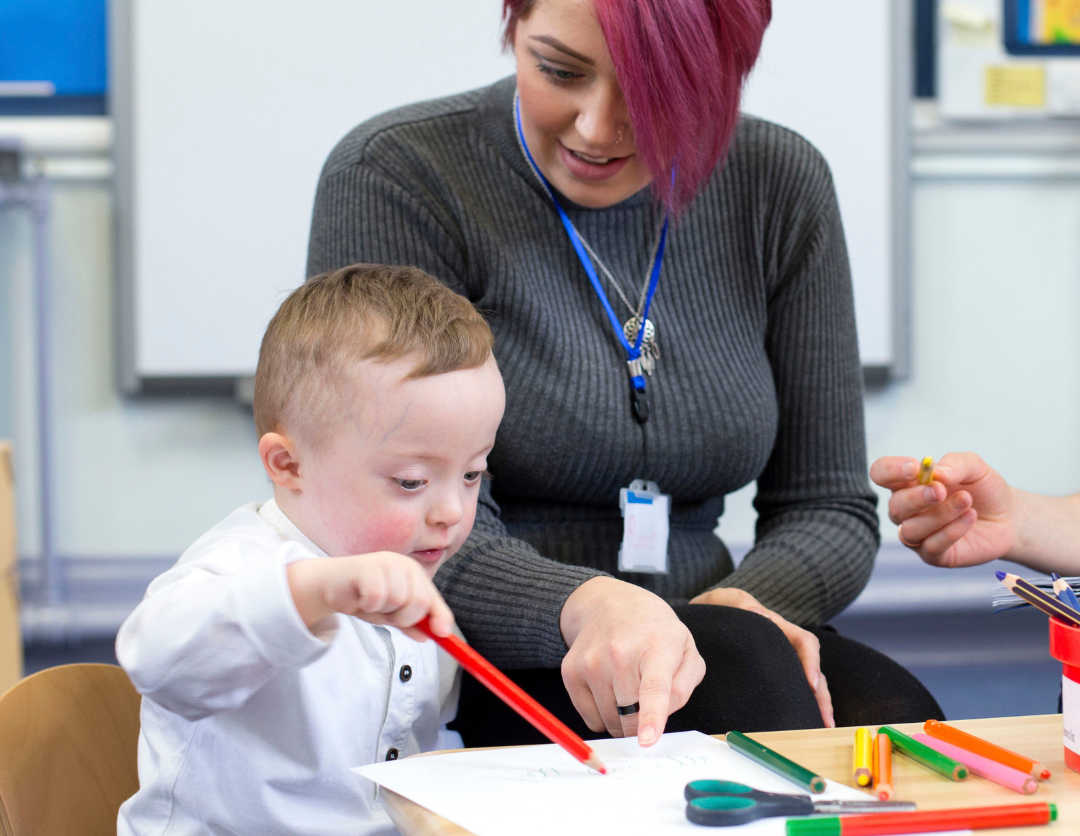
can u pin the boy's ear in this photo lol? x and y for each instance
(280, 460)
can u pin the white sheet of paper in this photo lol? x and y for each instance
(541, 790)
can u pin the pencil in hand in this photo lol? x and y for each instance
(512, 694)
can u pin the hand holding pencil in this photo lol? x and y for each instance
(965, 516)
(512, 694)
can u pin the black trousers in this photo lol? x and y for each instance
(753, 682)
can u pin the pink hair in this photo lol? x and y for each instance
(681, 65)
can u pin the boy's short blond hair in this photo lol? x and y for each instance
(323, 332)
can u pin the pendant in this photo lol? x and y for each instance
(650, 352)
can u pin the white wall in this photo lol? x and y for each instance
(996, 336)
(132, 477)
(996, 368)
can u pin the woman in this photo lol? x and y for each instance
(970, 515)
(618, 151)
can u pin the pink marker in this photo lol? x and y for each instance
(1014, 779)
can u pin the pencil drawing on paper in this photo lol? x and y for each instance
(616, 766)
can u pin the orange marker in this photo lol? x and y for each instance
(883, 766)
(978, 746)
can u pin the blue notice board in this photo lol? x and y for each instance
(61, 44)
(1042, 27)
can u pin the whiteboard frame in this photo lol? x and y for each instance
(132, 382)
(120, 102)
(903, 93)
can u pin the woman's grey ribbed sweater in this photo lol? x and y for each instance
(758, 377)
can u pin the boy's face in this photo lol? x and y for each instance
(404, 475)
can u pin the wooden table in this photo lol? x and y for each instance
(829, 752)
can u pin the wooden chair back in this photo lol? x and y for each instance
(11, 659)
(68, 742)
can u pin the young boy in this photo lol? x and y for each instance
(278, 652)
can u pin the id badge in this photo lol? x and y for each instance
(645, 528)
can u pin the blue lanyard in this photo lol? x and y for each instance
(633, 352)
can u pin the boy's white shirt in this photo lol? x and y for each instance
(250, 722)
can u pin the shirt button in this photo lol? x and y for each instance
(392, 755)
(405, 673)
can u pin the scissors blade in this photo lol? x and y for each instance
(868, 806)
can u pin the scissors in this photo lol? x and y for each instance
(725, 804)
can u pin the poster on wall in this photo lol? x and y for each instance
(1042, 27)
(1014, 60)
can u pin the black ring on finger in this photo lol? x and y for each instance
(625, 710)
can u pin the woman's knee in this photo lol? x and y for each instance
(739, 640)
(754, 680)
(870, 688)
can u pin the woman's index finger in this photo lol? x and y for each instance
(654, 695)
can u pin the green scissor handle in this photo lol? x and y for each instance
(696, 789)
(726, 803)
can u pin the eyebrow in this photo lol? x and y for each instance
(435, 457)
(555, 43)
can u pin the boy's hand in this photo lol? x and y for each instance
(380, 588)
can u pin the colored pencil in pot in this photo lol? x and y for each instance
(1037, 598)
(883, 766)
(776, 762)
(1064, 592)
(863, 768)
(921, 753)
(929, 821)
(978, 746)
(991, 770)
(512, 694)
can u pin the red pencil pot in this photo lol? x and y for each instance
(1065, 647)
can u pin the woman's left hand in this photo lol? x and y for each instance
(806, 644)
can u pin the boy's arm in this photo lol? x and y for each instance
(207, 640)
(211, 632)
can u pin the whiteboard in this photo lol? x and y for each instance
(226, 111)
(836, 71)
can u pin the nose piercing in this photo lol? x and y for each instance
(619, 138)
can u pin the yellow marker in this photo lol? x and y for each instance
(864, 759)
(926, 471)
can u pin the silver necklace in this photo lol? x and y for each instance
(650, 351)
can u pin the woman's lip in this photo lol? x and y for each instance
(590, 171)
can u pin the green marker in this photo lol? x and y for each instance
(776, 762)
(931, 758)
